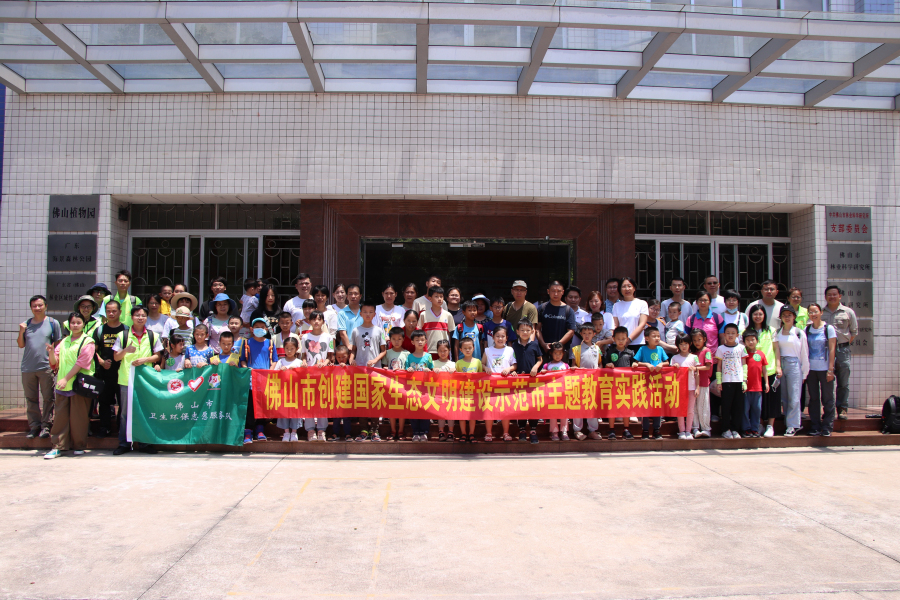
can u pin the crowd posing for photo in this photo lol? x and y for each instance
(746, 368)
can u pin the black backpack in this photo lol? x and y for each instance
(890, 415)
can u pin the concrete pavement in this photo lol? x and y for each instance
(789, 523)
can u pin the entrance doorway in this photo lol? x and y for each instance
(474, 266)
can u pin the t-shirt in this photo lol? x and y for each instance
(271, 318)
(436, 327)
(653, 356)
(555, 322)
(368, 342)
(248, 305)
(498, 359)
(199, 358)
(420, 363)
(37, 336)
(259, 354)
(581, 316)
(395, 361)
(106, 336)
(588, 356)
(673, 328)
(618, 358)
(230, 359)
(732, 362)
(174, 363)
(471, 333)
(738, 318)
(686, 310)
(687, 361)
(284, 363)
(315, 348)
(161, 325)
(629, 315)
(469, 366)
(712, 324)
(817, 342)
(528, 311)
(216, 328)
(295, 307)
(527, 355)
(279, 342)
(555, 366)
(490, 326)
(704, 358)
(389, 318)
(446, 366)
(756, 368)
(349, 320)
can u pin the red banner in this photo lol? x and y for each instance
(365, 392)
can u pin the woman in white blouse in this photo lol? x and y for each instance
(793, 368)
(631, 313)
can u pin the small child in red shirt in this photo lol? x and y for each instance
(757, 382)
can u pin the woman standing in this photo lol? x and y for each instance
(821, 338)
(389, 313)
(792, 368)
(218, 322)
(631, 313)
(707, 320)
(795, 297)
(73, 355)
(454, 297)
(768, 345)
(268, 309)
(339, 293)
(86, 306)
(410, 292)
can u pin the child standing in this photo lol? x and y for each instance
(496, 320)
(731, 357)
(302, 325)
(366, 350)
(685, 360)
(587, 356)
(700, 426)
(285, 323)
(341, 359)
(757, 382)
(200, 353)
(467, 363)
(258, 353)
(419, 360)
(528, 362)
(558, 427)
(501, 359)
(654, 358)
(226, 350)
(619, 355)
(237, 329)
(184, 325)
(444, 364)
(435, 321)
(317, 350)
(291, 360)
(395, 360)
(468, 328)
(174, 355)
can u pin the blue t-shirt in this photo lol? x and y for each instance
(817, 340)
(420, 363)
(471, 333)
(490, 326)
(199, 357)
(259, 354)
(654, 357)
(348, 320)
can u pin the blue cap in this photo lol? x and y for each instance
(99, 286)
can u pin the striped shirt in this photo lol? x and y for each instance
(436, 327)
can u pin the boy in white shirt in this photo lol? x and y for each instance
(731, 358)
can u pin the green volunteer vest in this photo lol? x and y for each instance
(144, 350)
(68, 355)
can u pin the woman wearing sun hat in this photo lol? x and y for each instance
(217, 321)
(85, 306)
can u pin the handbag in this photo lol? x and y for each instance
(87, 385)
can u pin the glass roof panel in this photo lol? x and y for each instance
(22, 33)
(717, 45)
(474, 72)
(51, 71)
(262, 70)
(572, 38)
(826, 51)
(871, 88)
(482, 35)
(681, 80)
(240, 33)
(780, 84)
(391, 34)
(120, 34)
(368, 71)
(565, 75)
(156, 71)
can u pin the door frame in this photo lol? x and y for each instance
(714, 248)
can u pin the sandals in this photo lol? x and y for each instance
(507, 437)
(389, 437)
(488, 438)
(471, 438)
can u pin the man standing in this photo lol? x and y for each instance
(716, 303)
(107, 368)
(126, 302)
(612, 294)
(843, 319)
(676, 286)
(520, 308)
(423, 301)
(37, 376)
(303, 284)
(769, 304)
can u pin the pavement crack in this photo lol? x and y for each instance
(795, 511)
(213, 526)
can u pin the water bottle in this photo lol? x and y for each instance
(776, 383)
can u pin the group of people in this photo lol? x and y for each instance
(746, 368)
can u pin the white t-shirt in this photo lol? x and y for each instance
(284, 363)
(315, 348)
(690, 360)
(331, 319)
(389, 318)
(732, 365)
(629, 314)
(496, 360)
(686, 310)
(738, 318)
(716, 305)
(295, 307)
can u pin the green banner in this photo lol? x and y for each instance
(206, 405)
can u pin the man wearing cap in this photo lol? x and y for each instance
(98, 292)
(520, 308)
(843, 319)
(423, 301)
(126, 302)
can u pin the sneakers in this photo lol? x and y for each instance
(789, 432)
(564, 436)
(814, 433)
(579, 436)
(714, 419)
(33, 433)
(533, 438)
(798, 430)
(78, 452)
(286, 437)
(523, 436)
(554, 436)
(727, 435)
(735, 435)
(416, 438)
(657, 434)
(294, 437)
(644, 435)
(628, 435)
(826, 433)
(311, 436)
(260, 437)
(611, 436)
(321, 436)
(706, 433)
(53, 454)
(45, 432)
(595, 436)
(842, 414)
(375, 436)
(769, 432)
(120, 450)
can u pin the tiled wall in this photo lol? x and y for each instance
(702, 156)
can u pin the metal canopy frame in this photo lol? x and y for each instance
(781, 29)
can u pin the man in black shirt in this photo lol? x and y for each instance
(556, 320)
(106, 368)
(528, 362)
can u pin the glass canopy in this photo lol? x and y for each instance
(787, 52)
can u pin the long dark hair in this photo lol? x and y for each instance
(264, 295)
(757, 308)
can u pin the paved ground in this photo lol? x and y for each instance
(814, 523)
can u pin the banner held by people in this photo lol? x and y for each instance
(367, 392)
(206, 405)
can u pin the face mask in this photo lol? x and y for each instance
(259, 332)
(731, 311)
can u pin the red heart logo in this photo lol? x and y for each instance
(195, 383)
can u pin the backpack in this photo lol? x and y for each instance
(127, 333)
(245, 351)
(482, 334)
(890, 415)
(55, 329)
(717, 319)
